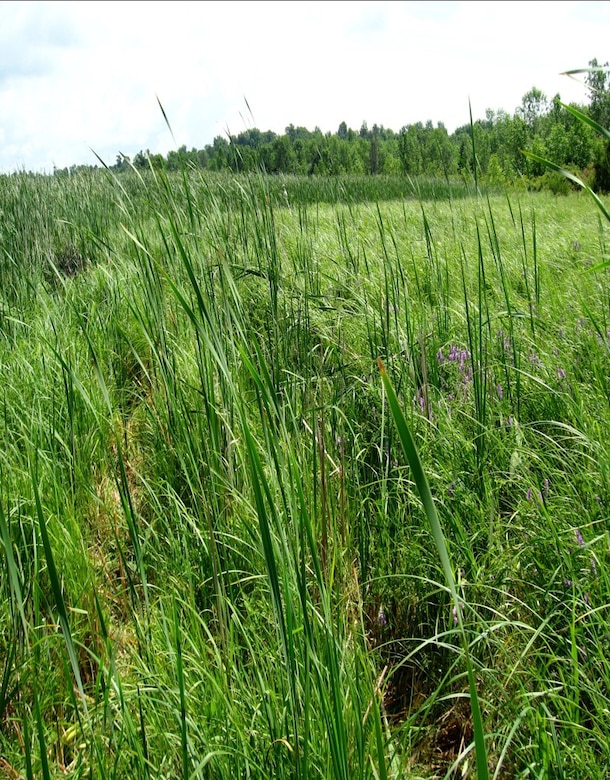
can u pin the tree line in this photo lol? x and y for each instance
(492, 148)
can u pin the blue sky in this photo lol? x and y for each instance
(83, 76)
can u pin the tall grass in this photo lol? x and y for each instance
(216, 560)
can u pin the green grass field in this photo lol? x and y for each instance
(218, 561)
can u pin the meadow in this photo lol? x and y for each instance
(220, 559)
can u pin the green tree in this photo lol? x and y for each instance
(391, 158)
(157, 161)
(534, 105)
(598, 84)
(374, 152)
(538, 147)
(218, 154)
(495, 174)
(283, 156)
(444, 152)
(409, 150)
(122, 163)
(139, 161)
(510, 138)
(558, 144)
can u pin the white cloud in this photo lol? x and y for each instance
(81, 75)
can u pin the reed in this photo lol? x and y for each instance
(213, 537)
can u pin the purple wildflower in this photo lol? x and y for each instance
(530, 495)
(561, 373)
(546, 487)
(420, 400)
(382, 619)
(450, 488)
(455, 616)
(459, 356)
(500, 391)
(578, 536)
(534, 358)
(567, 583)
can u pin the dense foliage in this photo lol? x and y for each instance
(216, 563)
(539, 125)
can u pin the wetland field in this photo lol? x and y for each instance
(218, 558)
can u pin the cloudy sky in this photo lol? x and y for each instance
(83, 76)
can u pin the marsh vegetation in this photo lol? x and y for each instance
(216, 560)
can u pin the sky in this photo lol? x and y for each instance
(80, 79)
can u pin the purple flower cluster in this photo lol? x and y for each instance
(461, 358)
(530, 495)
(423, 404)
(456, 355)
(540, 496)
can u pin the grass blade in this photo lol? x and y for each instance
(57, 591)
(423, 488)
